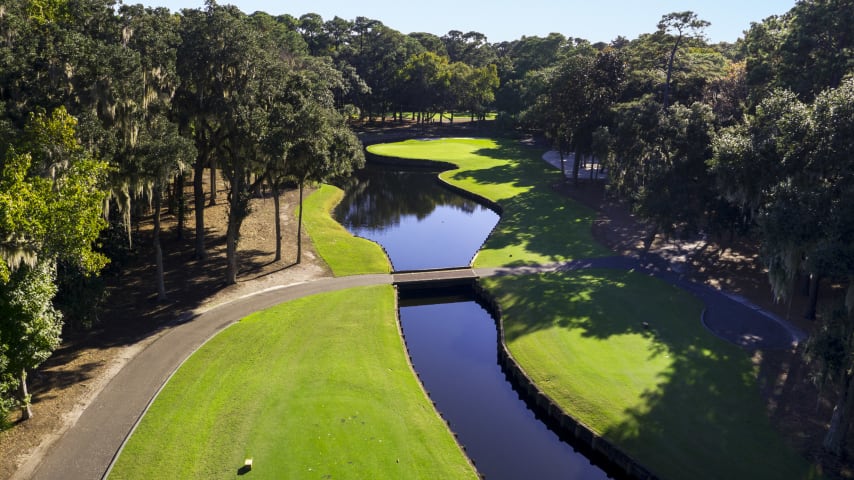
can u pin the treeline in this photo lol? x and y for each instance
(753, 139)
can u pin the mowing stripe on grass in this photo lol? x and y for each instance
(315, 388)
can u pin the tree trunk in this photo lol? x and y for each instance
(259, 190)
(233, 230)
(575, 165)
(158, 251)
(182, 207)
(213, 182)
(24, 397)
(172, 198)
(299, 225)
(276, 209)
(649, 239)
(562, 163)
(231, 253)
(834, 441)
(666, 100)
(199, 202)
(812, 304)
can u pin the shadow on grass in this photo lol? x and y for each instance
(696, 412)
(545, 223)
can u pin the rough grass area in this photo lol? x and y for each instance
(678, 399)
(344, 253)
(538, 226)
(315, 388)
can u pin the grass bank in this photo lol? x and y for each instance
(678, 399)
(344, 253)
(537, 226)
(315, 388)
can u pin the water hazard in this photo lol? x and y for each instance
(453, 346)
(420, 223)
(453, 341)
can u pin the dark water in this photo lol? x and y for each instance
(454, 349)
(453, 342)
(421, 224)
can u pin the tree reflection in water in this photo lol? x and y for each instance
(420, 223)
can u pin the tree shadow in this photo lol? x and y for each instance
(49, 383)
(702, 415)
(533, 214)
(132, 311)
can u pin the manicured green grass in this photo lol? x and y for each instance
(681, 401)
(538, 226)
(344, 253)
(315, 388)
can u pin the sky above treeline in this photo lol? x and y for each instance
(506, 20)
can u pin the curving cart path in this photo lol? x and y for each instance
(88, 447)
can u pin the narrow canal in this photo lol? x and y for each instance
(452, 340)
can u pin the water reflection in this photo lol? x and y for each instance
(453, 347)
(452, 340)
(420, 223)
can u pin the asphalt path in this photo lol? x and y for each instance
(89, 446)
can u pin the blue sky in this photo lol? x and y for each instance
(500, 20)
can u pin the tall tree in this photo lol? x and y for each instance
(326, 148)
(30, 327)
(162, 154)
(51, 197)
(247, 84)
(678, 190)
(153, 153)
(818, 49)
(682, 25)
(581, 94)
(760, 166)
(199, 99)
(831, 256)
(427, 78)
